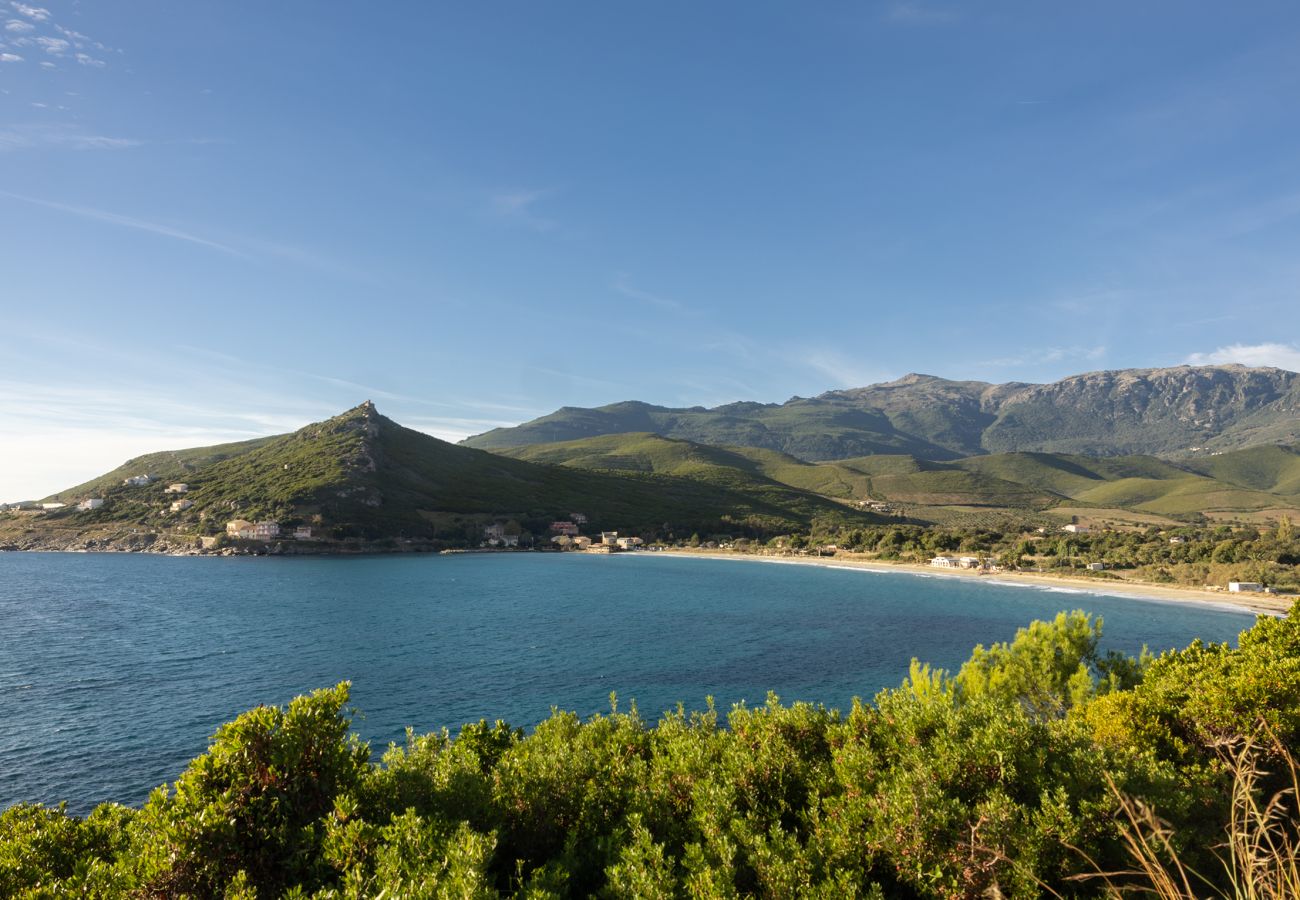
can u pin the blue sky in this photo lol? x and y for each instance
(223, 219)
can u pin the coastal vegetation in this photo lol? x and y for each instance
(1189, 556)
(1041, 767)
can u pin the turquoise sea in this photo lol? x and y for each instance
(115, 668)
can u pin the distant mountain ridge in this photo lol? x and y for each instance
(1172, 412)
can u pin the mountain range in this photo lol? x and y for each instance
(1146, 446)
(1172, 412)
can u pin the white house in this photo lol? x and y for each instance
(945, 562)
(1237, 587)
(609, 537)
(178, 488)
(1076, 529)
(240, 528)
(1097, 566)
(53, 505)
(494, 532)
(302, 533)
(181, 505)
(91, 503)
(628, 543)
(137, 480)
(579, 518)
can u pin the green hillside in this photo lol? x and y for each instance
(753, 474)
(361, 475)
(933, 491)
(1269, 468)
(166, 466)
(904, 479)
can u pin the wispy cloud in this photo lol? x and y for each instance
(35, 28)
(518, 207)
(99, 215)
(911, 13)
(1041, 356)
(35, 13)
(454, 429)
(33, 137)
(53, 46)
(840, 370)
(622, 286)
(1280, 356)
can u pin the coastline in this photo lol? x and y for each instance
(1260, 605)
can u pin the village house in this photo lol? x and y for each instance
(240, 528)
(181, 505)
(137, 480)
(569, 528)
(1076, 529)
(91, 503)
(494, 532)
(1097, 566)
(628, 543)
(302, 533)
(1237, 587)
(265, 531)
(609, 537)
(579, 518)
(177, 489)
(563, 541)
(582, 542)
(52, 506)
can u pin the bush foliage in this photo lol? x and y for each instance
(1009, 778)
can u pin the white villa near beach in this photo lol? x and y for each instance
(955, 562)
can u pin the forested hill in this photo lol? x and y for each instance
(1172, 412)
(363, 476)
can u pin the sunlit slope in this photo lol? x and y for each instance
(168, 465)
(1014, 481)
(363, 475)
(904, 479)
(1272, 469)
(747, 472)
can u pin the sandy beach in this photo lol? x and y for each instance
(1259, 604)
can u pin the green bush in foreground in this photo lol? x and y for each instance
(1012, 778)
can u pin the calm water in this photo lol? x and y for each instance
(114, 669)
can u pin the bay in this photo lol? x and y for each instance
(116, 668)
